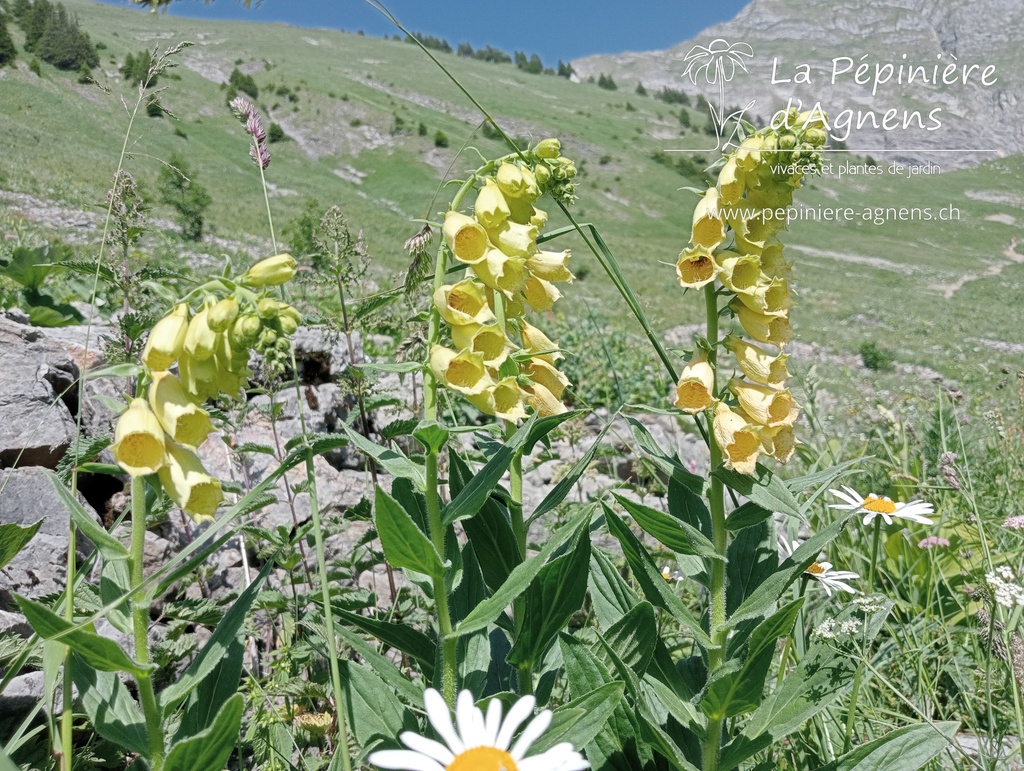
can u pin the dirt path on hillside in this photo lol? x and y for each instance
(1010, 253)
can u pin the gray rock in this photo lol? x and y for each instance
(37, 379)
(22, 693)
(40, 567)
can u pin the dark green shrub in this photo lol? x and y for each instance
(440, 139)
(179, 190)
(35, 67)
(8, 51)
(606, 82)
(876, 357)
(422, 129)
(244, 83)
(136, 68)
(275, 133)
(640, 90)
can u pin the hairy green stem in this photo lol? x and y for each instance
(449, 651)
(140, 626)
(525, 679)
(719, 633)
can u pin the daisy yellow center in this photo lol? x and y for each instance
(482, 759)
(879, 505)
(815, 569)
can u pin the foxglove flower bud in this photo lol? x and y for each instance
(271, 271)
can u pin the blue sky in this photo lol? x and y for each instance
(555, 29)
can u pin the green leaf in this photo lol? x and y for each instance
(753, 558)
(209, 750)
(673, 533)
(374, 711)
(127, 369)
(763, 488)
(737, 687)
(762, 598)
(610, 595)
(405, 545)
(392, 461)
(431, 435)
(669, 464)
(580, 720)
(538, 429)
(634, 636)
(100, 652)
(520, 578)
(111, 709)
(216, 659)
(13, 539)
(905, 749)
(396, 635)
(747, 515)
(565, 485)
(552, 598)
(656, 589)
(29, 267)
(391, 366)
(384, 668)
(687, 506)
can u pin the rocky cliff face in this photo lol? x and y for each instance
(985, 113)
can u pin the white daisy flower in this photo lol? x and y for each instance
(479, 743)
(671, 575)
(880, 506)
(830, 579)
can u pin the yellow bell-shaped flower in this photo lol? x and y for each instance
(773, 263)
(189, 485)
(769, 298)
(708, 228)
(764, 405)
(739, 440)
(695, 267)
(774, 330)
(550, 266)
(695, 391)
(198, 376)
(465, 237)
(739, 272)
(540, 294)
(200, 340)
(512, 181)
(463, 303)
(757, 364)
(514, 239)
(501, 272)
(180, 417)
(487, 340)
(547, 375)
(166, 340)
(779, 442)
(731, 183)
(464, 371)
(538, 344)
(490, 207)
(543, 402)
(223, 314)
(502, 400)
(139, 446)
(271, 271)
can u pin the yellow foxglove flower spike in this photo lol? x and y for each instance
(139, 440)
(490, 208)
(770, 299)
(739, 440)
(696, 386)
(271, 271)
(757, 364)
(464, 371)
(200, 340)
(189, 485)
(739, 273)
(463, 303)
(708, 228)
(540, 294)
(166, 340)
(773, 264)
(695, 267)
(489, 341)
(514, 239)
(465, 237)
(774, 330)
(766, 406)
(550, 266)
(502, 400)
(543, 401)
(179, 416)
(543, 373)
(539, 344)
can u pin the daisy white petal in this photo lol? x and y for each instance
(519, 712)
(530, 734)
(830, 579)
(851, 500)
(469, 720)
(492, 724)
(914, 511)
(428, 747)
(405, 760)
(441, 719)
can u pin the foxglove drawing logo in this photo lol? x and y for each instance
(717, 64)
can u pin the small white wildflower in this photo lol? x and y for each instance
(868, 605)
(849, 627)
(879, 506)
(1003, 583)
(826, 630)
